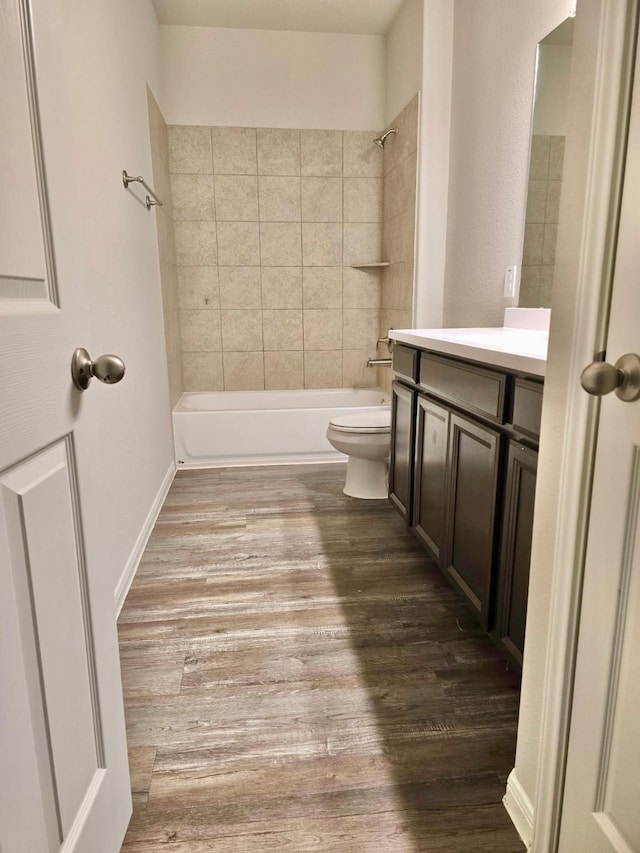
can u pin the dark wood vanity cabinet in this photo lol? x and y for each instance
(513, 572)
(474, 459)
(462, 475)
(403, 401)
(403, 407)
(429, 506)
(455, 494)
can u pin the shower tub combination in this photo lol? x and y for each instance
(214, 429)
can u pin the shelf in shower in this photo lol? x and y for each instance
(370, 266)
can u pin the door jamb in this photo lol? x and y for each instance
(588, 330)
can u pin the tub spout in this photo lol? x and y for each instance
(380, 362)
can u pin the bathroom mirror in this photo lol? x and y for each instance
(546, 159)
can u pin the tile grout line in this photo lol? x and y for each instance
(215, 211)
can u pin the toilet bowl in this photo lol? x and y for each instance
(365, 438)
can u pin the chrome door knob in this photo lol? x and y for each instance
(623, 377)
(107, 368)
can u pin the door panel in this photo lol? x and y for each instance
(28, 820)
(34, 410)
(619, 786)
(601, 802)
(45, 556)
(63, 767)
(22, 237)
(602, 789)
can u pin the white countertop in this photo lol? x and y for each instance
(523, 350)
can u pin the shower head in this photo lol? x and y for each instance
(380, 140)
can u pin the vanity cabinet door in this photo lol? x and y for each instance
(474, 463)
(515, 556)
(429, 505)
(403, 401)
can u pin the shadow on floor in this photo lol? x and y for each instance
(444, 702)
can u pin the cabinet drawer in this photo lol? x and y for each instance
(405, 362)
(527, 407)
(474, 389)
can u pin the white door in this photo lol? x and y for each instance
(63, 767)
(601, 808)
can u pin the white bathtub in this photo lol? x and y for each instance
(262, 427)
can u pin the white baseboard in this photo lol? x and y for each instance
(520, 809)
(136, 554)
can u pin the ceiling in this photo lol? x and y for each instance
(364, 17)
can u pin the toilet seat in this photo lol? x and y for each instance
(363, 423)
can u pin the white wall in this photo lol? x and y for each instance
(267, 78)
(403, 58)
(124, 433)
(493, 75)
(433, 163)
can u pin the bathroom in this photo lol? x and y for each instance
(472, 166)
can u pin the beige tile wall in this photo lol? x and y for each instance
(166, 246)
(267, 225)
(398, 235)
(541, 225)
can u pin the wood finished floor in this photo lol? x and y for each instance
(299, 677)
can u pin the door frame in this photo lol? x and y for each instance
(615, 24)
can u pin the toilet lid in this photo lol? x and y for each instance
(363, 422)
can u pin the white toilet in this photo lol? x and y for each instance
(365, 438)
